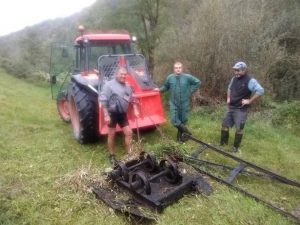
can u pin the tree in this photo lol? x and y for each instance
(144, 18)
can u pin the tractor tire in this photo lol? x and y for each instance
(63, 110)
(83, 108)
(62, 106)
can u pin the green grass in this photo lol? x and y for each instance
(42, 166)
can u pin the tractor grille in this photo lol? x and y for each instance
(134, 63)
(108, 66)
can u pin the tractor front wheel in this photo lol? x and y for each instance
(83, 108)
(63, 110)
(62, 106)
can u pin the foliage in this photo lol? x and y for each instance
(287, 114)
(284, 77)
(18, 67)
(144, 18)
(210, 40)
(28, 51)
(39, 76)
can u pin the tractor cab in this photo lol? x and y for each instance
(81, 57)
(89, 47)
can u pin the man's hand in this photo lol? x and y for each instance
(156, 89)
(107, 119)
(228, 100)
(136, 113)
(245, 102)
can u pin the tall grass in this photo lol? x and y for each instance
(45, 174)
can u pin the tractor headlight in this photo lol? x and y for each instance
(134, 39)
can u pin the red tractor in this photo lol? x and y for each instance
(78, 72)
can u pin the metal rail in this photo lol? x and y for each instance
(223, 167)
(281, 211)
(264, 173)
(242, 161)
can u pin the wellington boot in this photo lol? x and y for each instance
(184, 129)
(179, 133)
(236, 143)
(237, 140)
(224, 137)
(233, 149)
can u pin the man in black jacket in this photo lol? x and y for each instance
(239, 98)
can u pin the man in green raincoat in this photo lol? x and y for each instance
(181, 86)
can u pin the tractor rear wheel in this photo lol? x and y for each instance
(83, 108)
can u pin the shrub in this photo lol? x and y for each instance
(209, 41)
(39, 76)
(287, 114)
(18, 68)
(284, 78)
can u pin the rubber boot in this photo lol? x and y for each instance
(184, 129)
(224, 138)
(179, 136)
(236, 143)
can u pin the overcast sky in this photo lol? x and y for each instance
(17, 14)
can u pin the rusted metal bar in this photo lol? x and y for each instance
(249, 164)
(272, 206)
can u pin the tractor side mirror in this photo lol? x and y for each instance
(53, 79)
(64, 53)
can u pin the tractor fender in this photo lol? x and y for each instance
(84, 83)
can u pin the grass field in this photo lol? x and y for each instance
(43, 169)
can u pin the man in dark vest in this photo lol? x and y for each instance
(239, 98)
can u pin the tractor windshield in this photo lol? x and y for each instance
(97, 49)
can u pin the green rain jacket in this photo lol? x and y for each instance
(181, 88)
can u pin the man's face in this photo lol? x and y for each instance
(239, 73)
(121, 76)
(178, 70)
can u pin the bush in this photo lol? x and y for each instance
(284, 78)
(209, 41)
(287, 114)
(39, 76)
(18, 68)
